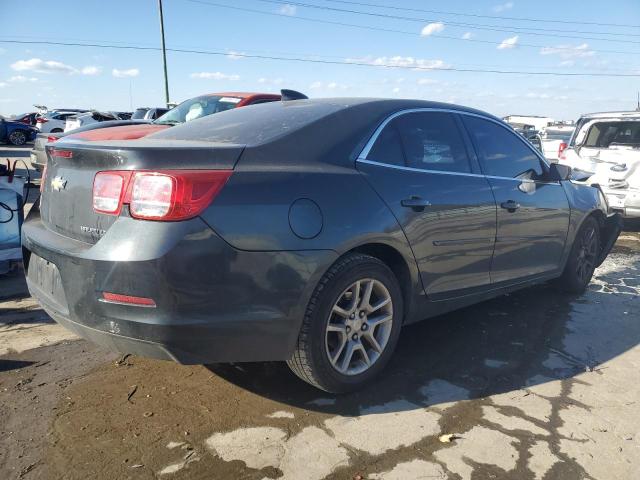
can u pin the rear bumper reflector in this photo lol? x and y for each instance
(120, 299)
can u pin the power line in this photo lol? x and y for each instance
(494, 17)
(234, 52)
(415, 67)
(390, 30)
(472, 26)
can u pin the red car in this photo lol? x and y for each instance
(188, 110)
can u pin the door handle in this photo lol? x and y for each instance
(510, 206)
(415, 203)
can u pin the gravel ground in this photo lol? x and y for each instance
(532, 385)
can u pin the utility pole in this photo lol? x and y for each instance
(164, 55)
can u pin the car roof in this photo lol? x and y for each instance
(268, 122)
(628, 113)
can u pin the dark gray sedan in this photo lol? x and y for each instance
(308, 231)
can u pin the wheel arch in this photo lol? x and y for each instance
(398, 264)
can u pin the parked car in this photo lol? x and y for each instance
(39, 155)
(27, 118)
(607, 147)
(146, 113)
(54, 121)
(554, 140)
(308, 231)
(16, 133)
(76, 121)
(186, 111)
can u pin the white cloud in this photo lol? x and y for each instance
(569, 51)
(131, 72)
(271, 81)
(432, 28)
(42, 66)
(91, 70)
(396, 90)
(427, 81)
(22, 79)
(215, 76)
(233, 55)
(317, 85)
(508, 43)
(52, 66)
(567, 63)
(404, 62)
(287, 9)
(3, 84)
(503, 7)
(467, 35)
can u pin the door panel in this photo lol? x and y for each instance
(533, 214)
(420, 165)
(453, 237)
(531, 238)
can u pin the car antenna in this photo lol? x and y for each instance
(286, 95)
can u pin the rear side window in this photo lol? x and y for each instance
(610, 134)
(502, 153)
(432, 141)
(388, 147)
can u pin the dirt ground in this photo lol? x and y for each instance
(532, 385)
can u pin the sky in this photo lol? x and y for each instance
(432, 50)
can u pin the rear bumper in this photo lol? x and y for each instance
(213, 303)
(626, 202)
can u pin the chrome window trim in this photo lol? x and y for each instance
(460, 174)
(369, 145)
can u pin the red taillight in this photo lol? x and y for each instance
(51, 139)
(54, 152)
(127, 299)
(43, 178)
(42, 120)
(163, 195)
(108, 191)
(561, 148)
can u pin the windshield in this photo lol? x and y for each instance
(198, 107)
(563, 135)
(611, 134)
(139, 113)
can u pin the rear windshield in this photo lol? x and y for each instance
(563, 135)
(252, 125)
(198, 107)
(611, 134)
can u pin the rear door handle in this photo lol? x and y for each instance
(417, 204)
(510, 206)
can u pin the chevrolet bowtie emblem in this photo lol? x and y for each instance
(58, 183)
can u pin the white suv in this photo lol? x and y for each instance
(607, 146)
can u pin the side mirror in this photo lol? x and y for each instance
(559, 172)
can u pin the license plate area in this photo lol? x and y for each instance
(44, 277)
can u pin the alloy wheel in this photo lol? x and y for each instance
(18, 138)
(359, 326)
(587, 254)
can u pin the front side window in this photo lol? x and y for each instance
(502, 152)
(432, 141)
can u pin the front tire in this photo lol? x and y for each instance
(582, 258)
(351, 325)
(18, 138)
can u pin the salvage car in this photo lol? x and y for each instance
(607, 147)
(554, 140)
(76, 121)
(305, 231)
(15, 132)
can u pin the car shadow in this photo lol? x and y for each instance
(512, 342)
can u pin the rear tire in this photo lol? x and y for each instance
(57, 130)
(582, 258)
(351, 325)
(18, 138)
